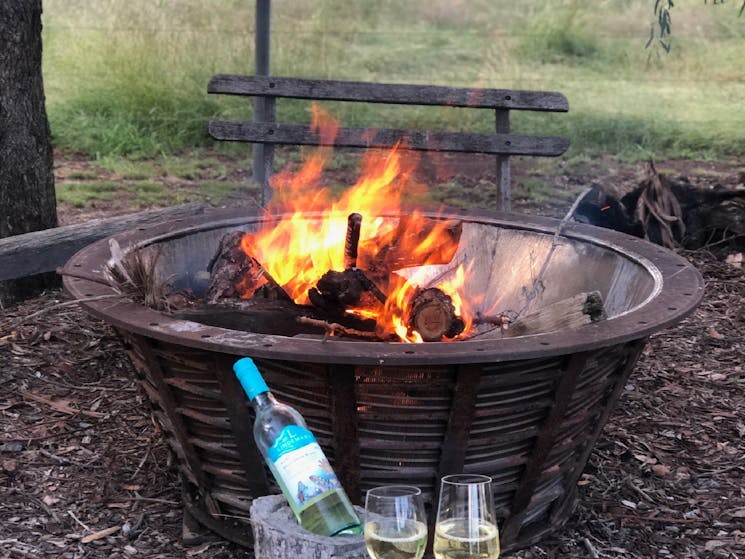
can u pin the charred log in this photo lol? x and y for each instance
(337, 291)
(235, 274)
(670, 212)
(433, 315)
(602, 208)
(351, 243)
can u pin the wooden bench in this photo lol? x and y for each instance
(264, 130)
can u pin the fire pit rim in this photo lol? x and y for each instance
(680, 290)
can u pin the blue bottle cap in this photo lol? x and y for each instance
(250, 377)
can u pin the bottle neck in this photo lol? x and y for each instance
(263, 400)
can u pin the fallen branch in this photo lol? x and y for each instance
(333, 328)
(658, 205)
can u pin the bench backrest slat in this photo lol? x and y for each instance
(403, 94)
(462, 142)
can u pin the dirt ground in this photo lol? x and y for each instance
(85, 473)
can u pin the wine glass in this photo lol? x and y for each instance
(466, 527)
(395, 522)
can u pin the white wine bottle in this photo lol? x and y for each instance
(296, 460)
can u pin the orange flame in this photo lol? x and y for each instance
(298, 248)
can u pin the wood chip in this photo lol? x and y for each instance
(62, 406)
(100, 534)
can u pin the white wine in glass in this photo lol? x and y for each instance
(466, 527)
(395, 523)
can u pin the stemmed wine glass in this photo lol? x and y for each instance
(466, 527)
(395, 522)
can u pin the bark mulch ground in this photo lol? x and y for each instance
(84, 471)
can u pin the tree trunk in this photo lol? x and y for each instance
(27, 198)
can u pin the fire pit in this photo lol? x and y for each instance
(525, 410)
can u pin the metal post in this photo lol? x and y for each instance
(504, 180)
(263, 154)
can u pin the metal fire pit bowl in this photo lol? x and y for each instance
(526, 410)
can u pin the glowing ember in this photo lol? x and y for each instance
(297, 250)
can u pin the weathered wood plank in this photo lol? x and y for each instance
(44, 251)
(404, 94)
(463, 142)
(565, 314)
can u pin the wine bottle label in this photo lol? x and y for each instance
(299, 461)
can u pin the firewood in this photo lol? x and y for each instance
(337, 291)
(667, 211)
(235, 274)
(396, 248)
(252, 315)
(351, 243)
(433, 315)
(566, 314)
(263, 316)
(333, 328)
(502, 320)
(133, 274)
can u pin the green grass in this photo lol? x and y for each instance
(536, 190)
(82, 175)
(129, 169)
(129, 78)
(218, 191)
(148, 193)
(194, 165)
(85, 194)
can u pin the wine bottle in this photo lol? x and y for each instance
(296, 460)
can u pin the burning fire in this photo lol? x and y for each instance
(298, 249)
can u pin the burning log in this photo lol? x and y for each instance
(397, 247)
(566, 314)
(350, 288)
(337, 291)
(433, 315)
(352, 241)
(235, 274)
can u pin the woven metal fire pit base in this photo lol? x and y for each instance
(526, 411)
